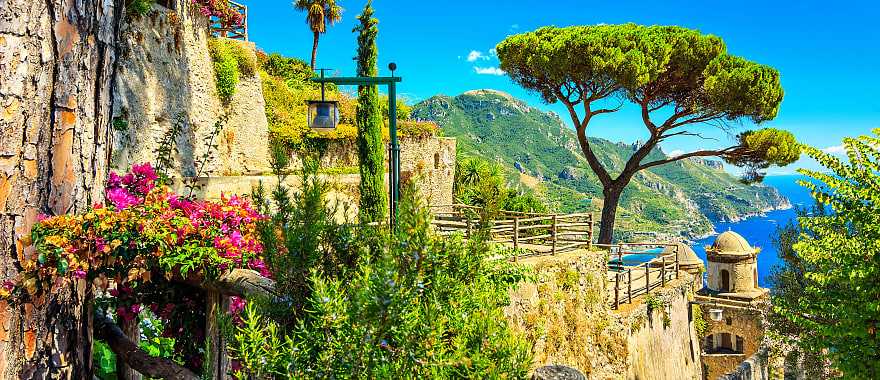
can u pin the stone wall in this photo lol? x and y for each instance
(166, 78)
(662, 343)
(756, 367)
(738, 322)
(566, 316)
(431, 160)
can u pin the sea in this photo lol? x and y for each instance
(760, 230)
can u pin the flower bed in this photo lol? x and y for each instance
(220, 9)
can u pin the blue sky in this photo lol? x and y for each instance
(827, 52)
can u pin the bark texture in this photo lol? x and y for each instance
(57, 60)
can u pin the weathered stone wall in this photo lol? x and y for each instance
(756, 367)
(166, 78)
(431, 159)
(662, 343)
(742, 275)
(744, 323)
(566, 316)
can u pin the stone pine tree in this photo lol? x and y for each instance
(319, 15)
(57, 59)
(684, 83)
(369, 122)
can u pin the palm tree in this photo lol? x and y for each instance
(319, 14)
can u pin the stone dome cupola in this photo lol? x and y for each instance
(733, 266)
(688, 261)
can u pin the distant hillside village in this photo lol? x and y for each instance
(231, 241)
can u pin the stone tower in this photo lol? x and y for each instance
(733, 305)
(733, 267)
(688, 262)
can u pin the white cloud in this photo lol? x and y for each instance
(675, 153)
(489, 70)
(474, 55)
(493, 52)
(837, 149)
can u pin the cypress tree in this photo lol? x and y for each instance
(369, 123)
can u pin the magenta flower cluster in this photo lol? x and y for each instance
(220, 9)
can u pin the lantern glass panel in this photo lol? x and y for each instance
(323, 115)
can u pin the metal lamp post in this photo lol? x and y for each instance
(394, 157)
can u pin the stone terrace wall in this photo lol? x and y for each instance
(738, 322)
(567, 318)
(166, 77)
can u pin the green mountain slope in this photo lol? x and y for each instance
(540, 152)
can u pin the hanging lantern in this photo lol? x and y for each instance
(323, 115)
(716, 315)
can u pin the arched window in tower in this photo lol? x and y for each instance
(740, 343)
(756, 277)
(436, 160)
(725, 280)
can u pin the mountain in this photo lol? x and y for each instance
(540, 152)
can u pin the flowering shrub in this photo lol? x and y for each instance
(220, 9)
(140, 249)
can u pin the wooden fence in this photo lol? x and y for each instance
(236, 32)
(632, 281)
(534, 232)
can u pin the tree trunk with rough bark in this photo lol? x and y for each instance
(609, 212)
(57, 60)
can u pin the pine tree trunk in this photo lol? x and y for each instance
(57, 60)
(609, 212)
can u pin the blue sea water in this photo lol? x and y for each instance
(759, 230)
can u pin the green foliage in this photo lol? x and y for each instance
(140, 7)
(832, 300)
(104, 361)
(369, 124)
(231, 59)
(764, 147)
(674, 64)
(700, 323)
(482, 183)
(319, 14)
(367, 303)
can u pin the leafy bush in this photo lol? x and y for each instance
(482, 183)
(363, 302)
(140, 7)
(231, 60)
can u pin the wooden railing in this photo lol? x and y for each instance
(239, 32)
(632, 281)
(534, 232)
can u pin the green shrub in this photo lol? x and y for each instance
(231, 60)
(365, 302)
(140, 7)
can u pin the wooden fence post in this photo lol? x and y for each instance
(677, 268)
(515, 232)
(590, 241)
(218, 365)
(616, 290)
(553, 235)
(647, 278)
(663, 271)
(629, 285)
